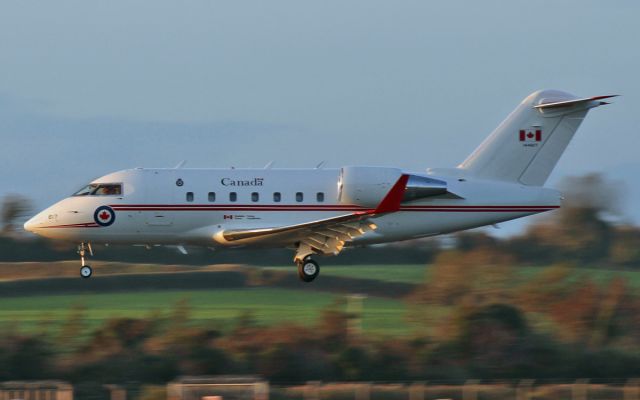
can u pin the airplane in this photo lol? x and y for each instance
(319, 211)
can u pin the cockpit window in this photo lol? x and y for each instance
(85, 191)
(100, 189)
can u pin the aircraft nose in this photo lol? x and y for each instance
(30, 225)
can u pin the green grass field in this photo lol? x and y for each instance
(391, 273)
(220, 308)
(409, 273)
(416, 273)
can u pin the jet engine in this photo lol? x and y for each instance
(367, 186)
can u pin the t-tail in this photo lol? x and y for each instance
(527, 145)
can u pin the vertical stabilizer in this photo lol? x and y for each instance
(527, 145)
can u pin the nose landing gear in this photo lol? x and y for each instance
(85, 270)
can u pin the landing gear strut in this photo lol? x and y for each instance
(85, 270)
(308, 269)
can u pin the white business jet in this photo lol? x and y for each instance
(320, 211)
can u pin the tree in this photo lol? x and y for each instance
(582, 230)
(25, 357)
(625, 250)
(481, 272)
(333, 326)
(14, 206)
(593, 191)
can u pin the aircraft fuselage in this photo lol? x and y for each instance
(190, 206)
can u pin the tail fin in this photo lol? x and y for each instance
(527, 145)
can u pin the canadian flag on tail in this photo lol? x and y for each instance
(530, 135)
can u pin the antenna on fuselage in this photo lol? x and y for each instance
(180, 164)
(320, 165)
(269, 165)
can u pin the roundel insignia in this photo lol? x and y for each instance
(104, 216)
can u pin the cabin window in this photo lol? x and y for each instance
(189, 196)
(212, 197)
(255, 196)
(277, 197)
(233, 196)
(320, 197)
(299, 197)
(100, 189)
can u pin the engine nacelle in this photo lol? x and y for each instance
(420, 187)
(366, 186)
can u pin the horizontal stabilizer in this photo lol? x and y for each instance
(569, 103)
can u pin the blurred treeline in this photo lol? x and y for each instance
(487, 333)
(587, 230)
(482, 318)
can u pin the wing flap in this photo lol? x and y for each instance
(329, 232)
(240, 234)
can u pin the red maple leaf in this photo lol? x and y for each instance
(104, 215)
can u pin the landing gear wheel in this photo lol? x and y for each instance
(308, 270)
(86, 272)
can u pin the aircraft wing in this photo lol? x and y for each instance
(327, 235)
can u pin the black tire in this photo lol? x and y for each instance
(86, 272)
(308, 270)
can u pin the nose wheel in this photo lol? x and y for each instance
(308, 270)
(85, 270)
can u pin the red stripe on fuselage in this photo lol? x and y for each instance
(357, 209)
(258, 208)
(467, 207)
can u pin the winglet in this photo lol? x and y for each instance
(392, 200)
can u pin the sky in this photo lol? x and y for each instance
(87, 87)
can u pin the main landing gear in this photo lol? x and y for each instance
(308, 269)
(85, 270)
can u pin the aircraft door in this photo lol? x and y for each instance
(160, 190)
